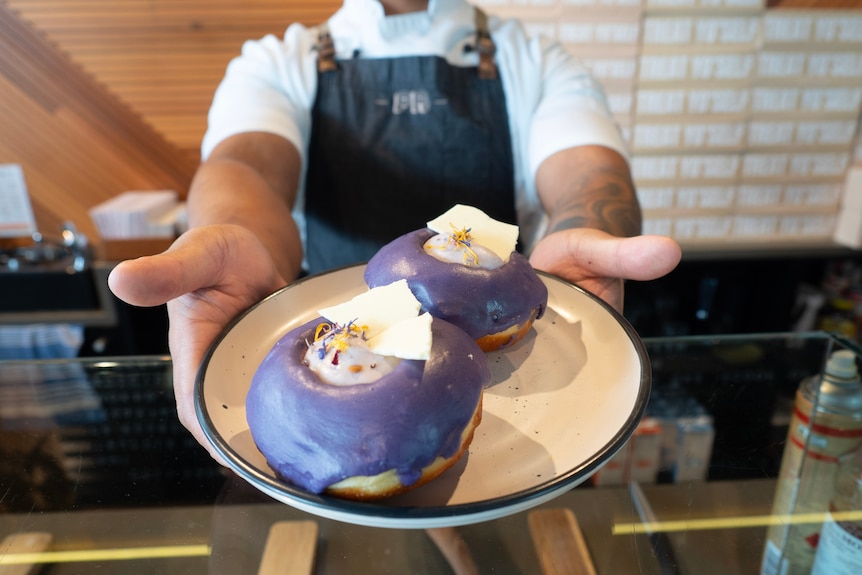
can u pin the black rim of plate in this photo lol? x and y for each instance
(392, 513)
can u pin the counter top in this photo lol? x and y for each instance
(97, 475)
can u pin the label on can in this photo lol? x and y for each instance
(840, 549)
(805, 483)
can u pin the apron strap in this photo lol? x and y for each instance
(325, 50)
(485, 47)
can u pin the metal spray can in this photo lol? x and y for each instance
(826, 423)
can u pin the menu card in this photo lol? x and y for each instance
(16, 212)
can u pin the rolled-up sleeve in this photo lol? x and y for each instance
(269, 87)
(572, 110)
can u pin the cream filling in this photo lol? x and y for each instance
(353, 364)
(446, 248)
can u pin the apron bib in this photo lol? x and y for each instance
(396, 142)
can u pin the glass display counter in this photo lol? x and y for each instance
(98, 476)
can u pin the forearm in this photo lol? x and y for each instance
(227, 190)
(589, 187)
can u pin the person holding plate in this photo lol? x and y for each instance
(325, 144)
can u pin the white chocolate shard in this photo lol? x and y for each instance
(499, 237)
(390, 308)
(408, 339)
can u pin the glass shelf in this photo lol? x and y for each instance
(94, 462)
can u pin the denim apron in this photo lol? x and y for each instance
(395, 142)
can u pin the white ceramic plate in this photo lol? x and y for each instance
(562, 402)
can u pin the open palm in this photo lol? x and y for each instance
(209, 276)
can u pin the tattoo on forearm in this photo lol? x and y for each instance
(603, 199)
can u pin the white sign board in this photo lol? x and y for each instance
(16, 212)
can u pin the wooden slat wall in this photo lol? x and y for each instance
(102, 96)
(113, 94)
(164, 58)
(78, 144)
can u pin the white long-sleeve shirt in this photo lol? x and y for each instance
(552, 101)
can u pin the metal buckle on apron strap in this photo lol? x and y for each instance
(485, 47)
(325, 50)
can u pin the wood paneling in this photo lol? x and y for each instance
(103, 96)
(77, 143)
(164, 58)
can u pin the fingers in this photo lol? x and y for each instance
(588, 253)
(144, 281)
(201, 258)
(155, 280)
(207, 277)
(647, 258)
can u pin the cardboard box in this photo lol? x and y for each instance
(649, 169)
(754, 226)
(718, 167)
(695, 437)
(759, 196)
(652, 198)
(797, 196)
(810, 226)
(802, 65)
(702, 227)
(638, 460)
(691, 135)
(616, 470)
(785, 133)
(619, 65)
(491, 6)
(628, 5)
(738, 31)
(848, 229)
(657, 225)
(813, 194)
(690, 64)
(645, 451)
(815, 100)
(732, 102)
(676, 198)
(705, 197)
(598, 30)
(807, 164)
(852, 194)
(820, 27)
(705, 5)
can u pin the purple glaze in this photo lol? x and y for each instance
(314, 434)
(479, 301)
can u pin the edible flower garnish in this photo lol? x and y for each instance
(390, 321)
(335, 336)
(460, 239)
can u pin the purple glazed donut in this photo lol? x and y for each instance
(372, 440)
(495, 307)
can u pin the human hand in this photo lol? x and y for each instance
(207, 277)
(599, 262)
